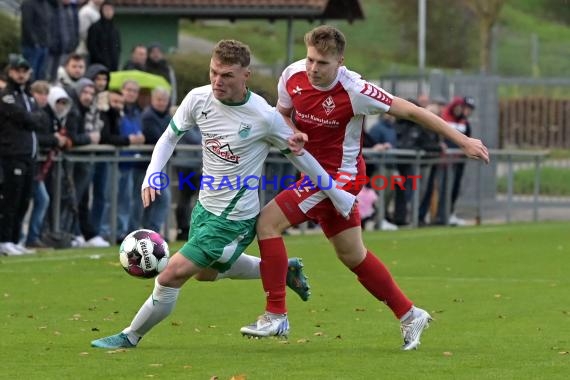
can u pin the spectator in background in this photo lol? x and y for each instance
(64, 35)
(430, 194)
(35, 29)
(89, 14)
(62, 126)
(69, 74)
(381, 137)
(155, 119)
(138, 58)
(100, 76)
(187, 195)
(454, 114)
(128, 218)
(60, 103)
(156, 64)
(104, 39)
(19, 119)
(89, 126)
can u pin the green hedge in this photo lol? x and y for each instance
(553, 181)
(192, 70)
(9, 38)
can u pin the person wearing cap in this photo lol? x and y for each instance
(19, 118)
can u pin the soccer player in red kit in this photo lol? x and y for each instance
(328, 102)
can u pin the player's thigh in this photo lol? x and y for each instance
(215, 241)
(272, 221)
(178, 271)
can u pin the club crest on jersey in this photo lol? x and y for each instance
(297, 90)
(376, 93)
(244, 130)
(224, 152)
(328, 105)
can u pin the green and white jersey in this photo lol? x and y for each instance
(236, 139)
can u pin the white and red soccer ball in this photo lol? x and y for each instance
(144, 253)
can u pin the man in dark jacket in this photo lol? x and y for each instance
(19, 118)
(104, 39)
(63, 36)
(155, 119)
(35, 30)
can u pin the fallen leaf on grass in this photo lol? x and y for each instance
(84, 353)
(497, 296)
(302, 340)
(56, 333)
(238, 377)
(318, 333)
(564, 352)
(118, 350)
(155, 365)
(187, 367)
(359, 309)
(447, 353)
(212, 326)
(338, 337)
(176, 323)
(214, 378)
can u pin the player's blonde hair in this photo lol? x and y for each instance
(232, 52)
(326, 39)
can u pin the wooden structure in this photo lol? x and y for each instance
(534, 122)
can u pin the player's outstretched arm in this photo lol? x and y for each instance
(473, 148)
(160, 155)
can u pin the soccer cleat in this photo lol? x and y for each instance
(297, 280)
(119, 340)
(413, 327)
(268, 325)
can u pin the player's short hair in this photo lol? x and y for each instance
(231, 52)
(40, 87)
(326, 39)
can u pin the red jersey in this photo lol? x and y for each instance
(332, 117)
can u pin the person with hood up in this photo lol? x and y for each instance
(104, 39)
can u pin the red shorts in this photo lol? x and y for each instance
(300, 204)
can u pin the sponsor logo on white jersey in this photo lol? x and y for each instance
(222, 151)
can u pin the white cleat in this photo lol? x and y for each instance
(267, 325)
(413, 327)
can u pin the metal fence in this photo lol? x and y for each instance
(480, 200)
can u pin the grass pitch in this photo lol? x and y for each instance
(499, 295)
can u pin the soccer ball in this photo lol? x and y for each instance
(144, 253)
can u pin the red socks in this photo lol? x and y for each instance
(376, 278)
(273, 269)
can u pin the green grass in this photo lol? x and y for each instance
(553, 181)
(498, 293)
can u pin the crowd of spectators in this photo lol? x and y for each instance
(55, 96)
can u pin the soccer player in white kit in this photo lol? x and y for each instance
(238, 127)
(328, 102)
